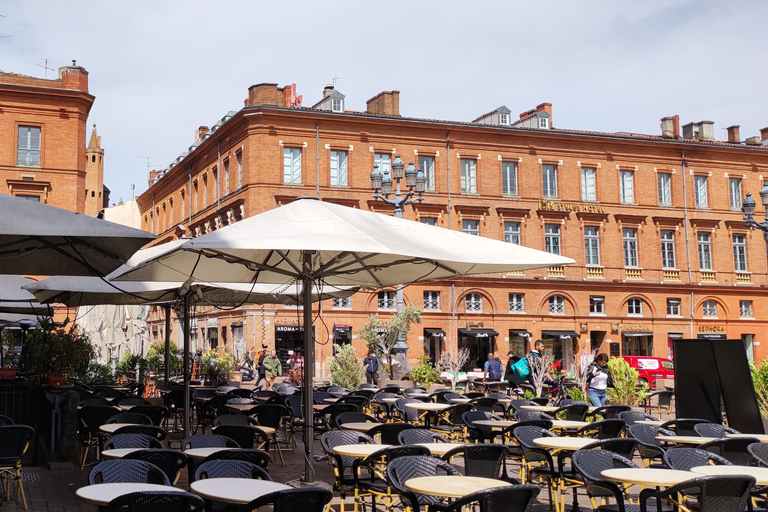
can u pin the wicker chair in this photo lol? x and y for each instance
(514, 498)
(15, 442)
(127, 470)
(384, 407)
(517, 404)
(588, 463)
(537, 462)
(450, 421)
(408, 414)
(91, 418)
(720, 493)
(209, 441)
(404, 468)
(353, 417)
(133, 418)
(713, 430)
(605, 429)
(259, 457)
(610, 411)
(149, 430)
(368, 479)
(128, 440)
(170, 461)
(573, 412)
(231, 419)
(483, 460)
(686, 458)
(6, 421)
(659, 401)
(759, 452)
(246, 436)
(479, 433)
(624, 446)
(389, 432)
(630, 417)
(650, 449)
(152, 501)
(683, 426)
(341, 463)
(272, 416)
(733, 449)
(309, 499)
(418, 436)
(231, 468)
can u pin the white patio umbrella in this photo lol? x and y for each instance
(314, 241)
(37, 239)
(15, 299)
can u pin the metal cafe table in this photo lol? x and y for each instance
(119, 453)
(102, 494)
(760, 474)
(234, 490)
(450, 486)
(360, 426)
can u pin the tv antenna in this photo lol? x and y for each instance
(45, 67)
(336, 79)
(148, 162)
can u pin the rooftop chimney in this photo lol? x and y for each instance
(201, 131)
(327, 90)
(386, 103)
(733, 134)
(268, 94)
(764, 135)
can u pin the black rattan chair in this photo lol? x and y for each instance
(624, 446)
(450, 421)
(246, 436)
(259, 457)
(610, 411)
(716, 493)
(231, 468)
(686, 458)
(342, 463)
(713, 430)
(128, 440)
(15, 442)
(480, 433)
(513, 498)
(659, 401)
(368, 479)
(152, 501)
(630, 417)
(605, 429)
(483, 460)
(572, 412)
(133, 418)
(647, 445)
(170, 461)
(589, 463)
(389, 432)
(149, 430)
(90, 419)
(408, 414)
(683, 426)
(419, 435)
(271, 415)
(732, 449)
(308, 499)
(231, 419)
(537, 462)
(759, 452)
(203, 441)
(127, 470)
(404, 468)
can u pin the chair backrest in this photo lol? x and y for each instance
(15, 443)
(259, 457)
(94, 416)
(532, 415)
(732, 449)
(5, 420)
(445, 397)
(683, 426)
(329, 440)
(759, 452)
(513, 498)
(407, 413)
(713, 430)
(630, 417)
(484, 404)
(108, 393)
(333, 410)
(367, 393)
(483, 460)
(455, 413)
(352, 417)
(392, 388)
(570, 401)
(150, 430)
(516, 404)
(95, 400)
(269, 415)
(646, 434)
(155, 412)
(479, 432)
(591, 462)
(130, 400)
(605, 429)
(170, 461)
(420, 435)
(151, 501)
(404, 468)
(231, 419)
(127, 470)
(127, 440)
(526, 434)
(360, 401)
(380, 396)
(209, 441)
(723, 493)
(389, 432)
(231, 468)
(306, 499)
(134, 418)
(246, 436)
(611, 411)
(573, 412)
(241, 392)
(624, 446)
(239, 400)
(294, 404)
(686, 458)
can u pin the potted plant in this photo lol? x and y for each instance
(346, 368)
(219, 367)
(424, 374)
(55, 353)
(625, 390)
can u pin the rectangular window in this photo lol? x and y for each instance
(226, 177)
(516, 303)
(700, 191)
(504, 119)
(705, 251)
(673, 307)
(339, 175)
(468, 176)
(292, 166)
(509, 178)
(432, 301)
(556, 305)
(592, 245)
(474, 303)
(549, 181)
(34, 199)
(216, 185)
(432, 221)
(552, 238)
(387, 300)
(588, 188)
(512, 232)
(29, 146)
(734, 186)
(667, 249)
(336, 104)
(427, 166)
(665, 188)
(635, 307)
(745, 309)
(627, 185)
(205, 190)
(197, 194)
(596, 305)
(739, 253)
(384, 163)
(345, 303)
(471, 227)
(239, 169)
(629, 239)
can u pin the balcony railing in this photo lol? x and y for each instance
(671, 275)
(594, 272)
(743, 277)
(556, 271)
(708, 276)
(633, 273)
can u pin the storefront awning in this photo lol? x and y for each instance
(478, 333)
(437, 333)
(519, 332)
(560, 334)
(636, 334)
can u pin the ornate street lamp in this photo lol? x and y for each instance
(381, 183)
(748, 209)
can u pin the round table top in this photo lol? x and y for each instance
(241, 407)
(657, 423)
(234, 490)
(563, 443)
(460, 400)
(495, 423)
(330, 400)
(568, 424)
(102, 494)
(539, 408)
(126, 407)
(695, 440)
(450, 486)
(760, 474)
(118, 453)
(267, 430)
(359, 450)
(202, 453)
(390, 400)
(319, 407)
(763, 438)
(440, 448)
(647, 476)
(427, 406)
(360, 426)
(110, 428)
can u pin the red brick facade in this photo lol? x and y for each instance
(647, 204)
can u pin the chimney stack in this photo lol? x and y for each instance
(201, 131)
(386, 103)
(733, 134)
(669, 128)
(268, 94)
(764, 135)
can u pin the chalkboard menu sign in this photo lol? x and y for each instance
(615, 349)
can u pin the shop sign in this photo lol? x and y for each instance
(718, 329)
(545, 204)
(288, 328)
(635, 328)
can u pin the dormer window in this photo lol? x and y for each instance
(504, 119)
(337, 105)
(544, 123)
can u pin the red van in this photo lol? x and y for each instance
(651, 368)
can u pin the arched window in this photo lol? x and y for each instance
(556, 305)
(709, 309)
(474, 303)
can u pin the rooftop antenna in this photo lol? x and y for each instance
(148, 163)
(336, 79)
(46, 68)
(2, 37)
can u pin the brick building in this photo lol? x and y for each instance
(43, 123)
(653, 222)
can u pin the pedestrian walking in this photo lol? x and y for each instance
(599, 379)
(260, 367)
(272, 368)
(372, 369)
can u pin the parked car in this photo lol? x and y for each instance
(651, 368)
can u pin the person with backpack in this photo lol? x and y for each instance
(509, 371)
(492, 368)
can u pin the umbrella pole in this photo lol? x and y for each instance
(167, 343)
(185, 423)
(309, 365)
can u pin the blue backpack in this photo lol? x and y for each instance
(521, 369)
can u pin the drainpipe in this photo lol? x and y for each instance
(687, 245)
(448, 176)
(317, 159)
(189, 202)
(218, 174)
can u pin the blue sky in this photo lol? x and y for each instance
(161, 69)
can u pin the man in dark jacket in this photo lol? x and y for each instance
(260, 367)
(509, 372)
(492, 368)
(372, 369)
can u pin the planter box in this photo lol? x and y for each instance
(8, 373)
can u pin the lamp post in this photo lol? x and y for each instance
(416, 183)
(748, 209)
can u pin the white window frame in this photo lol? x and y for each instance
(556, 305)
(431, 221)
(468, 176)
(701, 198)
(673, 307)
(28, 148)
(549, 181)
(226, 177)
(552, 238)
(512, 232)
(629, 243)
(740, 252)
(342, 303)
(517, 303)
(627, 186)
(509, 178)
(427, 166)
(504, 119)
(635, 307)
(339, 169)
(664, 183)
(709, 309)
(588, 184)
(337, 105)
(704, 241)
(745, 309)
(387, 299)
(384, 163)
(431, 300)
(592, 245)
(473, 303)
(597, 305)
(544, 123)
(292, 165)
(470, 226)
(734, 188)
(667, 238)
(239, 156)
